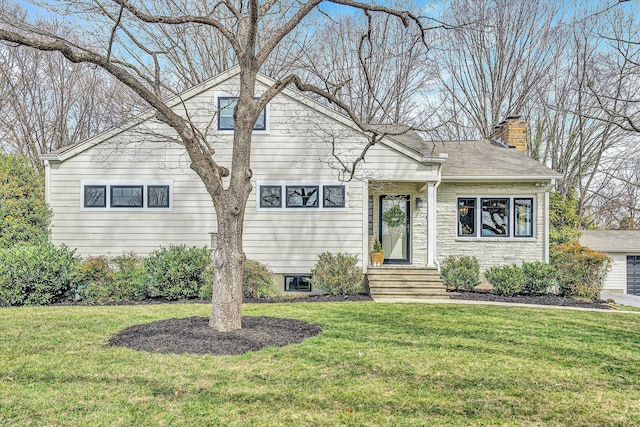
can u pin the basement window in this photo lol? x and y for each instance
(300, 283)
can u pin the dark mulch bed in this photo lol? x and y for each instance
(526, 299)
(282, 299)
(193, 335)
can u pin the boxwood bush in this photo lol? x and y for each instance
(539, 278)
(337, 274)
(505, 280)
(460, 272)
(178, 271)
(36, 274)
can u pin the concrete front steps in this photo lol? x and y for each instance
(405, 283)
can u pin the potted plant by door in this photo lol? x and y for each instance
(377, 255)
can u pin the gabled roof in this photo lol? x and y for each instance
(484, 159)
(462, 160)
(73, 150)
(611, 240)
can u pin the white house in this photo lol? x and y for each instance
(131, 189)
(623, 247)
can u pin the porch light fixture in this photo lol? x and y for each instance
(419, 202)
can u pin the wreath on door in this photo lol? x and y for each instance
(394, 216)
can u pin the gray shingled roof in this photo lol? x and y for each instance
(611, 240)
(481, 159)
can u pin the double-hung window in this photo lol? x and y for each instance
(495, 217)
(226, 105)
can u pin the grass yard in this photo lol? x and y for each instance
(375, 364)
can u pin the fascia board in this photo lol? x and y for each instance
(499, 178)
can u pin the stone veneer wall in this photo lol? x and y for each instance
(495, 250)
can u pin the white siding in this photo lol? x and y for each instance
(489, 251)
(295, 149)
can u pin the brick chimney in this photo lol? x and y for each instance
(513, 132)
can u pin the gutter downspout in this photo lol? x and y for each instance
(432, 196)
(47, 182)
(546, 220)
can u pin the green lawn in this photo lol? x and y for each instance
(375, 364)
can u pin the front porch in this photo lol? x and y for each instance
(405, 283)
(402, 216)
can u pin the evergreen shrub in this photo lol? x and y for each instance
(337, 274)
(460, 272)
(178, 271)
(580, 270)
(505, 280)
(36, 274)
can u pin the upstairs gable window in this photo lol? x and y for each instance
(226, 105)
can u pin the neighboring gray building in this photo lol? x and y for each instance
(623, 247)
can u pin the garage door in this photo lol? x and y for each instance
(633, 274)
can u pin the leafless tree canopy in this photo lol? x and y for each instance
(137, 42)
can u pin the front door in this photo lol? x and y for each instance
(395, 228)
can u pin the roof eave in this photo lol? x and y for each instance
(501, 178)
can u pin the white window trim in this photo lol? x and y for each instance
(267, 112)
(109, 183)
(478, 219)
(319, 208)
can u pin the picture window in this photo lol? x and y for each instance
(495, 217)
(302, 196)
(270, 196)
(126, 196)
(334, 196)
(158, 196)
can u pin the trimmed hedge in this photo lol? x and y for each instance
(460, 272)
(102, 280)
(506, 280)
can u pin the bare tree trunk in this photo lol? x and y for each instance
(228, 261)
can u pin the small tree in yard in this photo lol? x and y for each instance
(252, 30)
